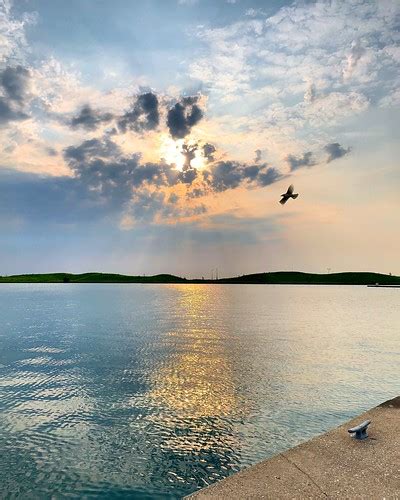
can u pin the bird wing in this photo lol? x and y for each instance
(283, 200)
(290, 189)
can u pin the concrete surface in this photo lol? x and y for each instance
(333, 465)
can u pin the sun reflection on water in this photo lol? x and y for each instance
(198, 381)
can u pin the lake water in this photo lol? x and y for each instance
(153, 391)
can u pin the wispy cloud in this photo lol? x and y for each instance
(295, 61)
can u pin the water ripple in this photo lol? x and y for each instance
(153, 392)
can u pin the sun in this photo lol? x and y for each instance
(172, 151)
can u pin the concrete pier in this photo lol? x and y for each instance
(333, 465)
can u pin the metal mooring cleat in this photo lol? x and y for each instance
(360, 431)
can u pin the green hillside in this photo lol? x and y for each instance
(90, 278)
(297, 278)
(275, 278)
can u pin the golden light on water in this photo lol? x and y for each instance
(199, 380)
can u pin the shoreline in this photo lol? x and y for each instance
(271, 278)
(331, 465)
(194, 282)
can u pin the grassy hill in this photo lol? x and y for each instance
(275, 278)
(90, 278)
(297, 278)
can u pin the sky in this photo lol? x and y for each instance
(157, 136)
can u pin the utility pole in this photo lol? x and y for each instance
(216, 272)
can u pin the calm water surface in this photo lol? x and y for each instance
(151, 391)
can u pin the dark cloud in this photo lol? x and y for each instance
(196, 193)
(208, 151)
(335, 151)
(268, 176)
(226, 175)
(88, 198)
(90, 119)
(173, 198)
(102, 169)
(296, 162)
(51, 151)
(188, 175)
(183, 116)
(109, 176)
(47, 200)
(14, 82)
(8, 113)
(92, 148)
(143, 116)
(251, 172)
(258, 156)
(230, 175)
(105, 184)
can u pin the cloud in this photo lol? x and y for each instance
(100, 166)
(335, 151)
(294, 61)
(268, 176)
(208, 151)
(188, 175)
(47, 200)
(12, 32)
(183, 116)
(196, 193)
(147, 204)
(87, 150)
(225, 175)
(296, 162)
(8, 114)
(258, 156)
(90, 119)
(356, 52)
(189, 153)
(144, 114)
(51, 151)
(310, 94)
(173, 198)
(116, 179)
(104, 182)
(14, 82)
(102, 194)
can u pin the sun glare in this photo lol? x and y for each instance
(172, 152)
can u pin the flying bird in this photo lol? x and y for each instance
(289, 194)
